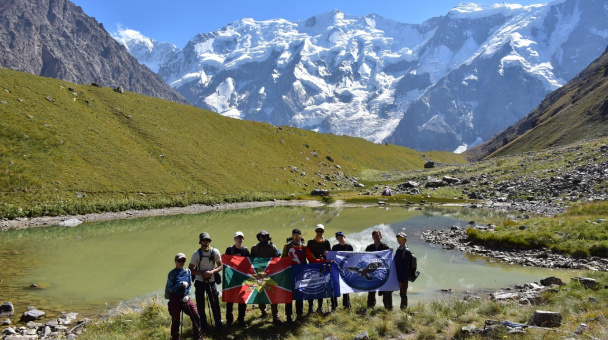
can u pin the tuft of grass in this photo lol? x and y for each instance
(581, 231)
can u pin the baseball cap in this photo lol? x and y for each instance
(320, 226)
(339, 233)
(203, 236)
(296, 231)
(239, 233)
(180, 256)
(402, 235)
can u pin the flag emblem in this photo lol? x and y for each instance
(256, 280)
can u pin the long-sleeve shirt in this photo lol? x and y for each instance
(402, 259)
(345, 247)
(315, 250)
(296, 252)
(382, 246)
(175, 279)
(264, 250)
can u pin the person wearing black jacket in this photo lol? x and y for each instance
(341, 246)
(237, 250)
(265, 248)
(387, 297)
(403, 262)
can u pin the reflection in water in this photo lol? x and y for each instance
(92, 267)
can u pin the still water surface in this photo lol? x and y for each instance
(91, 268)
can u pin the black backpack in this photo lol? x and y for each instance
(413, 274)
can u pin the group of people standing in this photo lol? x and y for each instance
(206, 264)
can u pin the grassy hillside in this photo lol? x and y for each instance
(577, 111)
(67, 148)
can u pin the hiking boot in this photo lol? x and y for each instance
(264, 315)
(242, 323)
(289, 320)
(277, 322)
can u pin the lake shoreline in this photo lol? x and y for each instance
(46, 221)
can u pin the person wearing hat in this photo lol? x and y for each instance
(296, 251)
(179, 283)
(341, 246)
(316, 252)
(387, 297)
(205, 263)
(237, 250)
(265, 248)
(403, 261)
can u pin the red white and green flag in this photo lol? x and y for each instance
(256, 280)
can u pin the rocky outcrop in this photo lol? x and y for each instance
(55, 38)
(456, 238)
(60, 328)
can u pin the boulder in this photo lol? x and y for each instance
(546, 319)
(587, 282)
(429, 165)
(72, 222)
(7, 309)
(66, 318)
(119, 90)
(362, 336)
(32, 314)
(451, 180)
(551, 281)
(435, 183)
(408, 185)
(319, 192)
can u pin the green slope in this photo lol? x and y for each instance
(93, 149)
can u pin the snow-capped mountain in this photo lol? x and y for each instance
(147, 51)
(445, 83)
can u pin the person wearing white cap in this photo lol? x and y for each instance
(237, 250)
(179, 283)
(316, 252)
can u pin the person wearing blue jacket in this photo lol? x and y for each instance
(179, 283)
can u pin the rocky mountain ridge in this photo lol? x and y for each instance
(449, 83)
(55, 38)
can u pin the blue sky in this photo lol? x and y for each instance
(177, 21)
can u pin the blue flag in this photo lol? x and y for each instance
(315, 281)
(365, 271)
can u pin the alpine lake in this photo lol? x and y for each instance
(97, 268)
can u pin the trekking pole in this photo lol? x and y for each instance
(208, 290)
(181, 324)
(331, 285)
(197, 322)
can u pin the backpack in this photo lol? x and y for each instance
(217, 276)
(231, 251)
(413, 274)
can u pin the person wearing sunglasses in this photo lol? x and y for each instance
(316, 252)
(179, 283)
